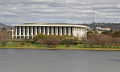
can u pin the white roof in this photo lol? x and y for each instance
(50, 24)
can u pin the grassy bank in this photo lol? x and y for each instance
(46, 48)
(17, 45)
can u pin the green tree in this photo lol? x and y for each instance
(39, 36)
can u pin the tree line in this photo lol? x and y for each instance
(106, 39)
(54, 40)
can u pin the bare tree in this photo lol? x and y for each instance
(4, 35)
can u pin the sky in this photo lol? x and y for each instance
(59, 11)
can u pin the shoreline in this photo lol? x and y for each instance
(44, 48)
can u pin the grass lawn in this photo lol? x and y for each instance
(18, 45)
(32, 45)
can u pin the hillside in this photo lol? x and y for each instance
(113, 26)
(5, 26)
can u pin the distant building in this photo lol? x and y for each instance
(103, 29)
(107, 29)
(30, 29)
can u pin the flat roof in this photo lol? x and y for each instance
(50, 24)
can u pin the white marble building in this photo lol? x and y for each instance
(30, 29)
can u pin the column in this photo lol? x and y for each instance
(43, 30)
(85, 32)
(72, 30)
(32, 31)
(28, 31)
(12, 32)
(47, 30)
(36, 30)
(60, 30)
(16, 32)
(39, 29)
(69, 30)
(24, 31)
(56, 30)
(64, 30)
(20, 32)
(52, 31)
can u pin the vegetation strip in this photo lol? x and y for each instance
(106, 49)
(108, 40)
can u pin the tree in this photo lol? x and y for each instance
(116, 42)
(54, 40)
(116, 34)
(40, 42)
(90, 42)
(68, 39)
(107, 33)
(84, 41)
(39, 36)
(106, 40)
(4, 36)
(51, 41)
(99, 40)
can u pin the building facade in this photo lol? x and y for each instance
(30, 29)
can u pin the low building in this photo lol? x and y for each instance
(103, 29)
(30, 29)
(107, 29)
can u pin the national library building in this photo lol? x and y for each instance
(30, 29)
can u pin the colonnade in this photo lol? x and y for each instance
(27, 31)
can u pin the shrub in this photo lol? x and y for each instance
(39, 36)
(91, 43)
(116, 42)
(30, 37)
(57, 38)
(107, 33)
(84, 41)
(3, 43)
(67, 45)
(40, 42)
(23, 42)
(106, 40)
(68, 39)
(100, 40)
(28, 40)
(51, 41)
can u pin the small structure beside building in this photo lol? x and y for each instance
(103, 29)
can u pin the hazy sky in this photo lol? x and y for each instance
(62, 11)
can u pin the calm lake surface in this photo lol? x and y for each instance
(23, 60)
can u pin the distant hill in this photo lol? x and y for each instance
(113, 26)
(5, 26)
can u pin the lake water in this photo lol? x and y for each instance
(23, 60)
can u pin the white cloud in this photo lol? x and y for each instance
(118, 5)
(18, 11)
(112, 17)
